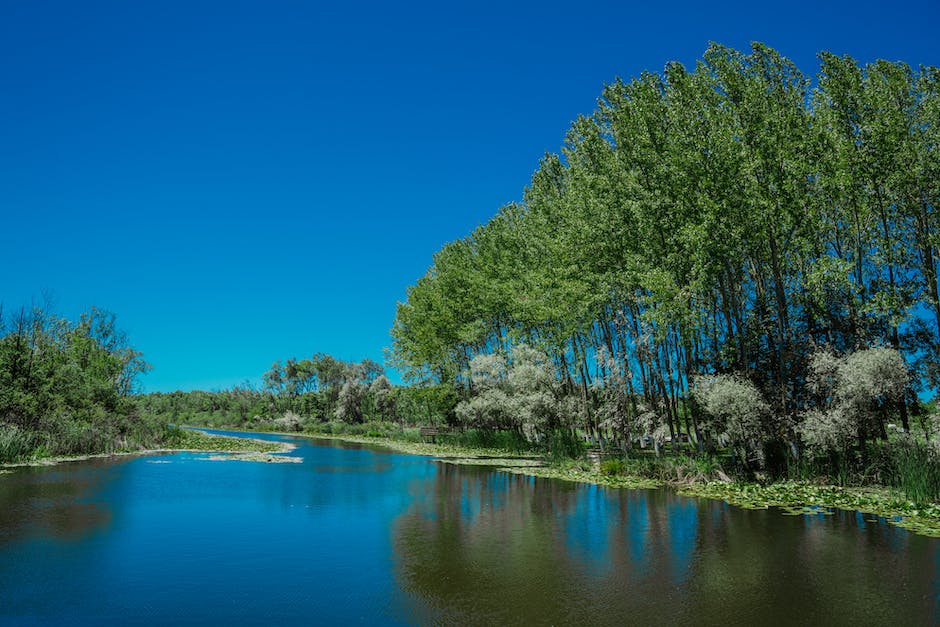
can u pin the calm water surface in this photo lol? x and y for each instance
(365, 536)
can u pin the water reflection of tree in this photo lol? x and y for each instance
(481, 546)
(494, 547)
(56, 502)
(839, 568)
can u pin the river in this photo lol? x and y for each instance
(360, 535)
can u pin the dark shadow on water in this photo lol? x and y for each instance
(59, 502)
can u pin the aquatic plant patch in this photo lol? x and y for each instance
(799, 497)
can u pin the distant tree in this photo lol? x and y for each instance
(371, 370)
(350, 401)
(383, 397)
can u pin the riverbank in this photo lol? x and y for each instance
(186, 440)
(793, 497)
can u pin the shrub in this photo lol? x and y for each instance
(735, 409)
(288, 422)
(514, 395)
(563, 444)
(613, 467)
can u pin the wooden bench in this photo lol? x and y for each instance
(433, 432)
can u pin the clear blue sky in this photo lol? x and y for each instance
(248, 181)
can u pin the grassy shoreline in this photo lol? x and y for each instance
(189, 441)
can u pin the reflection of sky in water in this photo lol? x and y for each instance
(683, 525)
(637, 528)
(469, 506)
(591, 525)
(586, 529)
(204, 538)
(367, 536)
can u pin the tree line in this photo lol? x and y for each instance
(734, 231)
(297, 394)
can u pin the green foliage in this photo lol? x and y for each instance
(517, 394)
(364, 396)
(613, 467)
(512, 441)
(298, 394)
(376, 429)
(917, 471)
(349, 401)
(64, 387)
(563, 444)
(431, 404)
(678, 470)
(17, 444)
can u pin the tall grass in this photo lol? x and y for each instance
(917, 471)
(563, 444)
(911, 466)
(16, 444)
(680, 468)
(371, 429)
(488, 439)
(63, 435)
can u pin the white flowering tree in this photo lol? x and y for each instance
(854, 394)
(383, 397)
(516, 394)
(736, 413)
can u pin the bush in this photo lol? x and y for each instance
(852, 392)
(288, 422)
(71, 437)
(507, 440)
(735, 408)
(670, 469)
(515, 395)
(410, 435)
(613, 467)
